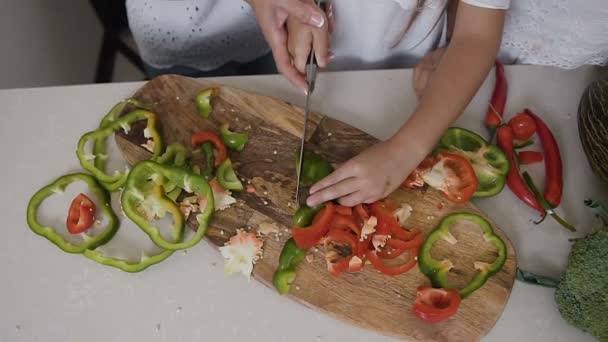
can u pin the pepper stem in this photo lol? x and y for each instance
(543, 203)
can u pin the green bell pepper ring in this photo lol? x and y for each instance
(133, 196)
(437, 271)
(99, 148)
(291, 255)
(489, 162)
(227, 177)
(158, 194)
(58, 187)
(234, 141)
(125, 265)
(314, 167)
(116, 181)
(203, 101)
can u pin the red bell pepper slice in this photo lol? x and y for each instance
(338, 262)
(308, 237)
(436, 305)
(529, 157)
(398, 246)
(81, 214)
(388, 223)
(203, 137)
(361, 212)
(461, 182)
(379, 264)
(346, 222)
(342, 210)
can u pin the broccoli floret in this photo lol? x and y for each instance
(582, 294)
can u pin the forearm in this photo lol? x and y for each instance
(462, 70)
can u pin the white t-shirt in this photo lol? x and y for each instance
(205, 34)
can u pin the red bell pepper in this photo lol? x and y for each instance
(203, 137)
(308, 237)
(81, 214)
(436, 305)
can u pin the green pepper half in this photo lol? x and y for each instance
(437, 271)
(58, 187)
(314, 167)
(138, 187)
(119, 178)
(489, 162)
(234, 141)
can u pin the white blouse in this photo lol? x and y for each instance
(205, 34)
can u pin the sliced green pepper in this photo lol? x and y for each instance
(135, 192)
(58, 187)
(209, 171)
(164, 203)
(291, 255)
(234, 141)
(437, 271)
(119, 178)
(203, 101)
(227, 177)
(175, 154)
(314, 167)
(99, 148)
(489, 162)
(304, 215)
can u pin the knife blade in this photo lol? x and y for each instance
(311, 78)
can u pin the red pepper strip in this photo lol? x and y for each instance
(338, 235)
(499, 98)
(361, 212)
(393, 270)
(342, 210)
(400, 244)
(389, 254)
(348, 222)
(529, 157)
(81, 214)
(514, 180)
(203, 137)
(308, 237)
(553, 161)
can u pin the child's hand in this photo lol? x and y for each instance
(301, 38)
(271, 16)
(368, 177)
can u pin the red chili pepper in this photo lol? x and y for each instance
(203, 137)
(529, 157)
(514, 180)
(553, 161)
(499, 98)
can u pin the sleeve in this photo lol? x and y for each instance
(492, 4)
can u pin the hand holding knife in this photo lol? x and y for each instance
(311, 77)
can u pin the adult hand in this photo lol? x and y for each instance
(271, 16)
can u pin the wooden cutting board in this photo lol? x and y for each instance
(367, 299)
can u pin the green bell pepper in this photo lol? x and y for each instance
(119, 178)
(203, 101)
(227, 177)
(134, 196)
(209, 172)
(175, 154)
(164, 203)
(314, 167)
(291, 255)
(58, 187)
(489, 162)
(437, 271)
(234, 141)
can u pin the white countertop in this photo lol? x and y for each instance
(48, 295)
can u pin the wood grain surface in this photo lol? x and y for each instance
(367, 299)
